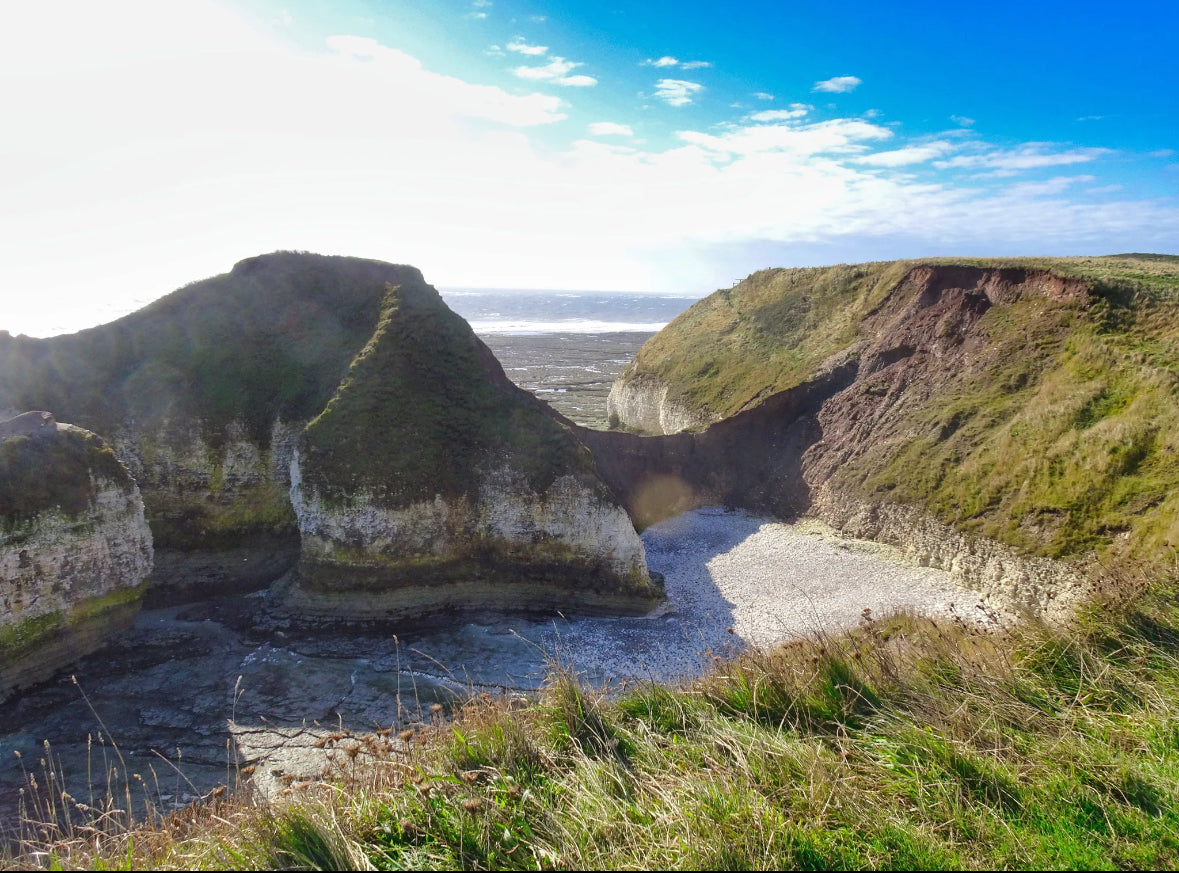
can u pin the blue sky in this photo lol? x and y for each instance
(672, 147)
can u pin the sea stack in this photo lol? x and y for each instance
(431, 484)
(74, 547)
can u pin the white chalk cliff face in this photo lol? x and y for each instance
(503, 547)
(69, 580)
(431, 484)
(642, 405)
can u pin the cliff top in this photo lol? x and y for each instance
(425, 406)
(269, 339)
(1033, 400)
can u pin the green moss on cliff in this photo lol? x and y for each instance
(54, 471)
(1056, 432)
(24, 638)
(424, 409)
(269, 340)
(763, 336)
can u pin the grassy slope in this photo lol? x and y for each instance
(901, 745)
(1067, 438)
(269, 339)
(424, 408)
(38, 473)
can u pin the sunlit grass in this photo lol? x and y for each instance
(907, 743)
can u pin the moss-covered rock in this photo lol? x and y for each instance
(430, 482)
(1030, 401)
(74, 548)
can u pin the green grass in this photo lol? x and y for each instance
(425, 410)
(906, 744)
(1056, 434)
(60, 472)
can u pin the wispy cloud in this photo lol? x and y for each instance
(843, 136)
(479, 8)
(915, 154)
(519, 45)
(1048, 187)
(962, 120)
(610, 128)
(1030, 156)
(762, 95)
(838, 85)
(553, 69)
(677, 92)
(796, 110)
(1162, 153)
(1091, 118)
(576, 81)
(669, 61)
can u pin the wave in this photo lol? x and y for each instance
(578, 325)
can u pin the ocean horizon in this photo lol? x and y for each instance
(518, 311)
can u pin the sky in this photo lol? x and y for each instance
(655, 146)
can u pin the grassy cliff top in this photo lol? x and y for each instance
(1042, 413)
(58, 470)
(769, 332)
(270, 339)
(424, 407)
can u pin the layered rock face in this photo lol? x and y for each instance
(424, 482)
(997, 422)
(431, 483)
(643, 405)
(202, 395)
(74, 547)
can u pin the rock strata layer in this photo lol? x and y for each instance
(74, 547)
(431, 483)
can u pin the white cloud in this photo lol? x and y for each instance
(1162, 153)
(915, 154)
(762, 95)
(1103, 189)
(1048, 187)
(838, 85)
(677, 92)
(555, 68)
(669, 61)
(796, 110)
(1091, 118)
(519, 45)
(840, 136)
(576, 81)
(252, 145)
(1030, 156)
(478, 7)
(610, 128)
(962, 120)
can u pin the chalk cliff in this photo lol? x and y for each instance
(74, 547)
(1012, 422)
(431, 483)
(202, 394)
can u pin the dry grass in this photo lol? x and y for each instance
(904, 744)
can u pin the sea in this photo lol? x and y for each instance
(567, 347)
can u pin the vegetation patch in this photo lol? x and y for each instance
(906, 744)
(60, 472)
(426, 410)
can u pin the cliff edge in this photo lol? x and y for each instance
(74, 547)
(431, 483)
